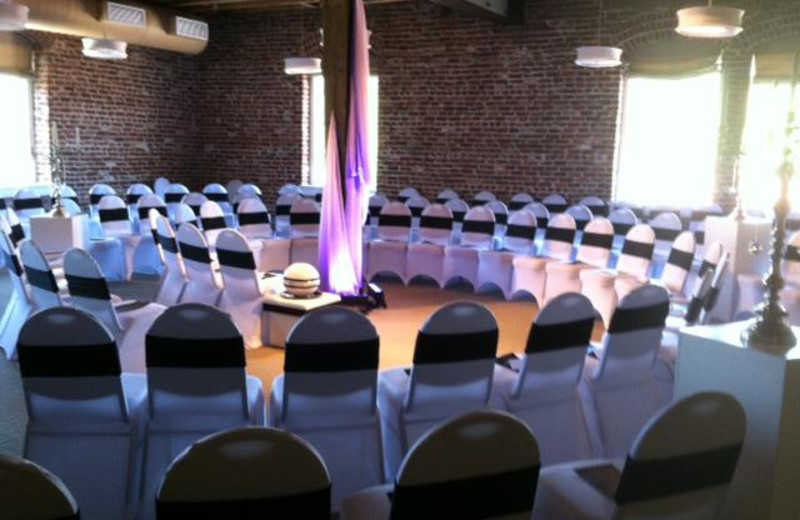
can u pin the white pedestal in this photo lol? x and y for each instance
(280, 314)
(768, 387)
(57, 234)
(736, 237)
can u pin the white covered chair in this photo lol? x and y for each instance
(304, 219)
(175, 278)
(132, 196)
(283, 208)
(459, 209)
(243, 293)
(203, 285)
(115, 253)
(634, 261)
(28, 203)
(594, 252)
(542, 215)
(680, 467)
(454, 360)
(196, 385)
(12, 227)
(249, 190)
(233, 189)
(174, 196)
(44, 289)
(582, 216)
(96, 194)
(213, 222)
(184, 214)
(30, 492)
(85, 415)
(254, 223)
(242, 474)
(619, 389)
(667, 226)
(147, 258)
(482, 198)
(529, 273)
(446, 194)
(388, 253)
(500, 212)
(596, 205)
(480, 465)
(623, 220)
(496, 267)
(128, 321)
(461, 261)
(327, 396)
(555, 203)
(160, 186)
(541, 388)
(519, 201)
(217, 193)
(673, 275)
(17, 302)
(376, 204)
(290, 188)
(407, 193)
(426, 257)
(416, 206)
(194, 200)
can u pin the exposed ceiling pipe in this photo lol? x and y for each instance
(85, 18)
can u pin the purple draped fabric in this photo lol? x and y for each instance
(341, 245)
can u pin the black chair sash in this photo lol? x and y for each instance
(556, 208)
(621, 228)
(238, 259)
(42, 279)
(283, 209)
(792, 254)
(519, 231)
(416, 211)
(711, 299)
(485, 496)
(451, 348)
(477, 202)
(163, 352)
(133, 198)
(87, 287)
(580, 224)
(211, 223)
(95, 198)
(402, 199)
(248, 219)
(638, 249)
(174, 198)
(217, 197)
(431, 222)
(597, 240)
(17, 234)
(681, 259)
(114, 215)
(32, 203)
(483, 227)
(375, 211)
(557, 336)
(542, 222)
(443, 200)
(700, 237)
(168, 244)
(12, 262)
(516, 205)
(195, 208)
(69, 360)
(394, 221)
(501, 219)
(666, 234)
(195, 253)
(318, 197)
(560, 234)
(311, 218)
(3, 203)
(705, 266)
(660, 478)
(144, 211)
(639, 318)
(332, 357)
(599, 211)
(458, 216)
(693, 310)
(310, 505)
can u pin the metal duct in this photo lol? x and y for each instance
(85, 18)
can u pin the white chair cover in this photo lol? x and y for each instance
(426, 257)
(482, 198)
(217, 193)
(452, 373)
(272, 254)
(479, 465)
(85, 416)
(184, 214)
(459, 209)
(174, 196)
(582, 216)
(132, 196)
(18, 305)
(160, 186)
(28, 203)
(174, 280)
(283, 208)
(667, 226)
(388, 253)
(115, 254)
(596, 205)
(212, 220)
(194, 200)
(555, 203)
(416, 205)
(619, 389)
(376, 204)
(519, 201)
(43, 286)
(623, 220)
(96, 194)
(196, 386)
(249, 190)
(304, 218)
(28, 491)
(542, 215)
(290, 188)
(327, 395)
(407, 193)
(500, 212)
(496, 267)
(233, 189)
(675, 271)
(242, 474)
(679, 468)
(203, 285)
(445, 195)
(461, 261)
(243, 294)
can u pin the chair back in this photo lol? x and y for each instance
(376, 204)
(160, 186)
(519, 201)
(70, 368)
(637, 251)
(27, 203)
(9, 258)
(174, 196)
(194, 200)
(249, 190)
(216, 192)
(165, 238)
(394, 222)
(541, 213)
(69, 193)
(136, 192)
(436, 225)
(196, 256)
(39, 274)
(254, 220)
(623, 220)
(500, 212)
(667, 226)
(242, 473)
(304, 218)
(30, 492)
(96, 194)
(15, 231)
(238, 266)
(88, 288)
(406, 194)
(185, 214)
(556, 349)
(718, 280)
(683, 461)
(283, 208)
(212, 219)
(454, 360)
(115, 219)
(596, 243)
(679, 263)
(459, 209)
(233, 189)
(445, 195)
(479, 465)
(478, 228)
(634, 336)
(521, 232)
(714, 252)
(290, 188)
(555, 203)
(145, 204)
(331, 368)
(482, 198)
(559, 237)
(596, 205)
(581, 214)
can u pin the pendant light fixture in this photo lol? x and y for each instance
(710, 21)
(104, 49)
(598, 56)
(13, 17)
(302, 65)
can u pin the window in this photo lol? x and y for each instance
(319, 134)
(16, 131)
(668, 141)
(763, 143)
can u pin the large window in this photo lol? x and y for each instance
(16, 132)
(668, 141)
(319, 134)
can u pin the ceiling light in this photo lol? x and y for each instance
(13, 17)
(598, 57)
(710, 22)
(104, 49)
(302, 65)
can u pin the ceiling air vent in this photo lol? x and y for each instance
(126, 14)
(188, 28)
